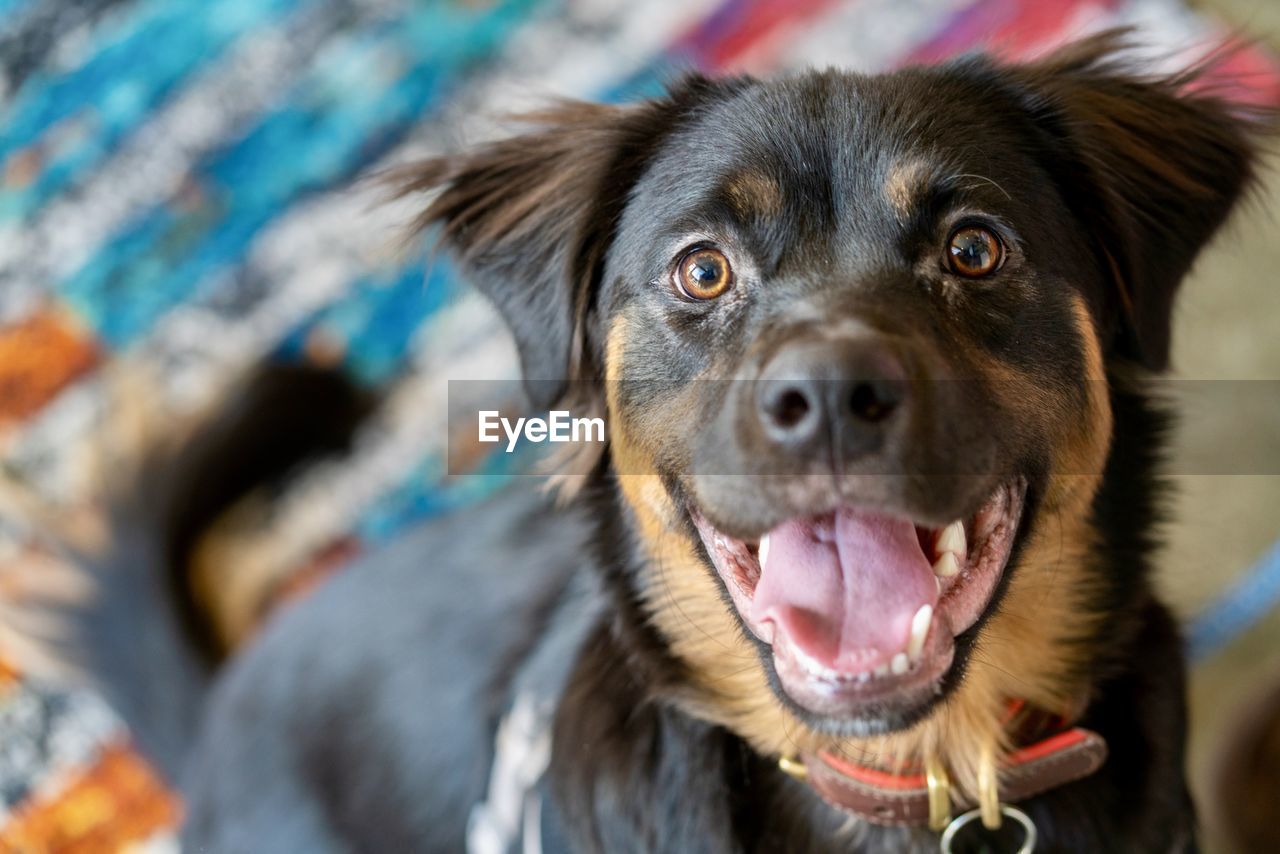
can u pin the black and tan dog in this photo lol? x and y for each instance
(869, 544)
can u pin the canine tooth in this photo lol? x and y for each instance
(946, 565)
(764, 548)
(919, 629)
(952, 539)
(899, 664)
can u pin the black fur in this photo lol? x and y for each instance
(284, 414)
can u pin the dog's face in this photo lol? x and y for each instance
(854, 335)
(846, 324)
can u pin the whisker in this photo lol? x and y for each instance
(985, 180)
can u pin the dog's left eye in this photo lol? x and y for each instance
(974, 251)
(703, 274)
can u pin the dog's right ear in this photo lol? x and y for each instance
(531, 217)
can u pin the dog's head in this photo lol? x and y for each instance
(853, 334)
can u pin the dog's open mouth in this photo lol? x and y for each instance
(862, 610)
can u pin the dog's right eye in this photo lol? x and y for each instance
(703, 274)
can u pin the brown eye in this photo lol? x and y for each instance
(974, 251)
(704, 274)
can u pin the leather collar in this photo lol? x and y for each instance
(902, 798)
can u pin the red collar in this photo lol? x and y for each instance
(1043, 762)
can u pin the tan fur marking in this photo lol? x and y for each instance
(903, 184)
(235, 564)
(1082, 454)
(754, 194)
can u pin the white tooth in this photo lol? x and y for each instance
(919, 629)
(946, 566)
(937, 582)
(899, 664)
(952, 540)
(882, 670)
(764, 548)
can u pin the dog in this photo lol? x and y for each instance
(865, 562)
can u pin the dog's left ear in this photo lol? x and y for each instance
(1152, 166)
(531, 217)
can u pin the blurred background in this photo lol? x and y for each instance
(184, 190)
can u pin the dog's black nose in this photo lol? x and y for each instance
(816, 393)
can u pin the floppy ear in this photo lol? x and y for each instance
(1152, 167)
(531, 217)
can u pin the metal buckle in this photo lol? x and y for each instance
(939, 792)
(795, 767)
(989, 790)
(965, 819)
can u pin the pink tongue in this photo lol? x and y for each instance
(844, 588)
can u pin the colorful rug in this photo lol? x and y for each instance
(180, 190)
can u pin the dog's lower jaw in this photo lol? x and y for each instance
(856, 633)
